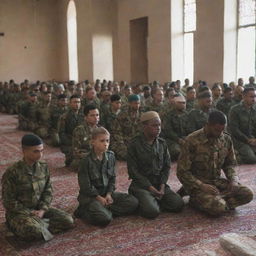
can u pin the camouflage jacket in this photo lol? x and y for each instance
(197, 118)
(96, 177)
(42, 114)
(125, 126)
(201, 159)
(67, 123)
(225, 105)
(107, 118)
(55, 113)
(148, 165)
(152, 106)
(174, 125)
(81, 140)
(242, 122)
(26, 188)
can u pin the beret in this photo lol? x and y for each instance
(133, 97)
(31, 140)
(148, 116)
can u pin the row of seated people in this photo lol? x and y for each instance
(27, 191)
(47, 112)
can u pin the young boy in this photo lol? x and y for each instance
(96, 177)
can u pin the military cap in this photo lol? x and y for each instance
(149, 116)
(31, 140)
(133, 97)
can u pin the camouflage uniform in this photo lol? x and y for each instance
(152, 106)
(27, 115)
(95, 102)
(225, 105)
(24, 189)
(55, 113)
(42, 119)
(201, 161)
(197, 118)
(95, 178)
(108, 119)
(173, 129)
(81, 145)
(242, 126)
(124, 128)
(190, 104)
(67, 123)
(149, 165)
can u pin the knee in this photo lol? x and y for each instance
(102, 219)
(217, 208)
(30, 232)
(132, 203)
(178, 204)
(246, 194)
(68, 222)
(150, 212)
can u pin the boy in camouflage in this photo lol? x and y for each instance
(97, 200)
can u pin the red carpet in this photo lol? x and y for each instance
(188, 233)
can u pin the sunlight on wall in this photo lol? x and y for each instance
(72, 41)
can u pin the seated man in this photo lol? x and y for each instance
(148, 162)
(242, 124)
(205, 153)
(27, 194)
(81, 138)
(97, 200)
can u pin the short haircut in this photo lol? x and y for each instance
(99, 131)
(227, 89)
(62, 96)
(89, 88)
(74, 96)
(215, 86)
(190, 88)
(217, 117)
(127, 87)
(115, 97)
(146, 88)
(248, 89)
(88, 108)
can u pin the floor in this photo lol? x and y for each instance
(188, 233)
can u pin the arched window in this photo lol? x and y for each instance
(189, 27)
(72, 41)
(246, 44)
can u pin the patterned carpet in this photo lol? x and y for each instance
(188, 233)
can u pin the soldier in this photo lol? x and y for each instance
(111, 113)
(125, 127)
(184, 88)
(156, 104)
(148, 163)
(238, 94)
(190, 98)
(146, 95)
(205, 153)
(42, 116)
(127, 91)
(216, 94)
(98, 201)
(251, 83)
(90, 97)
(82, 135)
(56, 110)
(67, 123)
(225, 103)
(27, 194)
(198, 116)
(27, 112)
(174, 126)
(242, 126)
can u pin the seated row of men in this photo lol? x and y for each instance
(27, 193)
(119, 113)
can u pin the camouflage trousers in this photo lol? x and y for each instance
(149, 205)
(67, 150)
(246, 152)
(55, 139)
(97, 214)
(216, 205)
(28, 227)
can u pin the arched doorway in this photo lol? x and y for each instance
(72, 41)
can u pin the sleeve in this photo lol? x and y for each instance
(166, 166)
(229, 164)
(112, 176)
(133, 169)
(234, 126)
(184, 173)
(9, 193)
(64, 138)
(86, 187)
(191, 124)
(168, 130)
(76, 142)
(46, 196)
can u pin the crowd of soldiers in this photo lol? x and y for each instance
(64, 114)
(145, 125)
